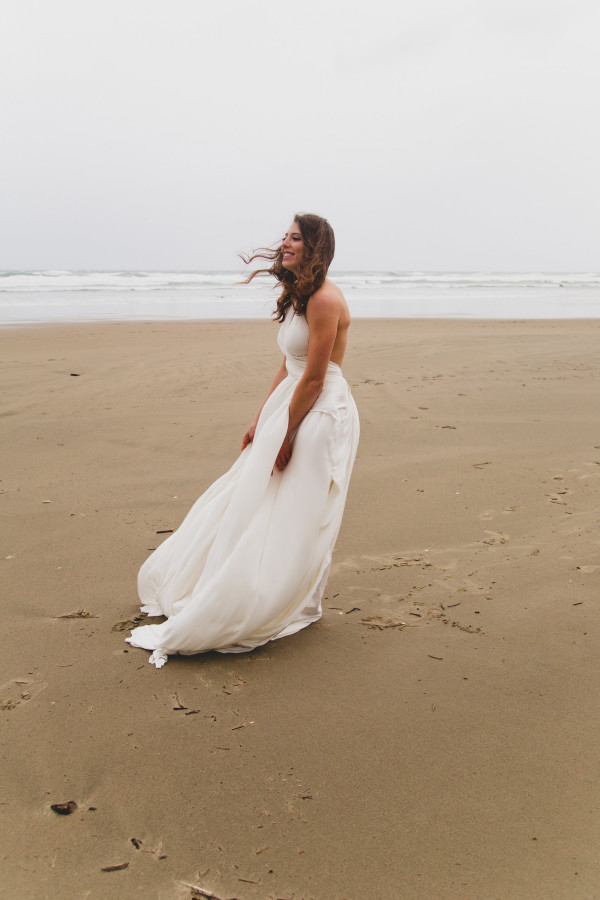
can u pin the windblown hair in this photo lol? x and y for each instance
(319, 248)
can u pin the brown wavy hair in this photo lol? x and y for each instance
(319, 248)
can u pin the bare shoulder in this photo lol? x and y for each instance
(328, 300)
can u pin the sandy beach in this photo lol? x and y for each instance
(435, 736)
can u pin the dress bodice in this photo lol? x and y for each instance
(293, 336)
(293, 343)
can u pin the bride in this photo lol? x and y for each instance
(250, 561)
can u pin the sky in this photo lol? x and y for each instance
(438, 135)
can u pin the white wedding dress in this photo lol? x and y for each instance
(250, 561)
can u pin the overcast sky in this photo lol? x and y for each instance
(169, 134)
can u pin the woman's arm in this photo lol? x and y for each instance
(322, 315)
(249, 436)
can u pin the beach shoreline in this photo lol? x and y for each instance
(266, 321)
(434, 735)
(130, 296)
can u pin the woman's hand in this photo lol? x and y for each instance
(249, 436)
(283, 457)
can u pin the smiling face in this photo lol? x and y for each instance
(292, 248)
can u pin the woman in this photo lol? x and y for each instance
(250, 561)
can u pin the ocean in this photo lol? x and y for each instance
(63, 296)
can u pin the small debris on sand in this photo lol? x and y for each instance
(64, 809)
(78, 614)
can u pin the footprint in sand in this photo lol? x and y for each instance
(489, 513)
(495, 537)
(558, 498)
(20, 690)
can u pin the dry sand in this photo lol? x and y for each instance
(436, 735)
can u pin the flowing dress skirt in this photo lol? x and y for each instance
(250, 561)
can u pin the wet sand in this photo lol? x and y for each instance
(435, 735)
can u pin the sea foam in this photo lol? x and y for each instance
(65, 296)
